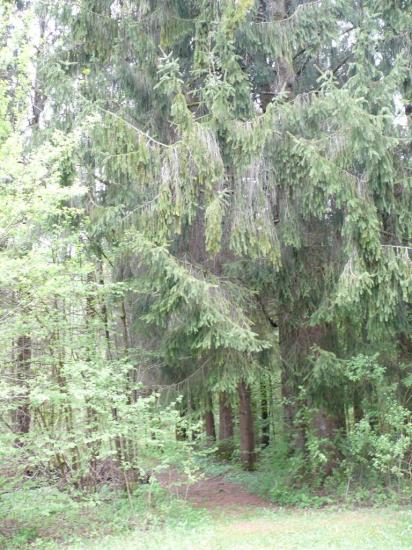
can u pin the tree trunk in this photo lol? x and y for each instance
(225, 426)
(296, 341)
(291, 343)
(357, 408)
(210, 421)
(246, 425)
(283, 78)
(264, 437)
(92, 415)
(24, 344)
(326, 427)
(22, 417)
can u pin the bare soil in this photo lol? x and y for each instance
(211, 493)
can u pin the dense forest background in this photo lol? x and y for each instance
(205, 239)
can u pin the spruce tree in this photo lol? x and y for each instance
(247, 165)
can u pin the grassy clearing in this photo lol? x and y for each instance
(45, 519)
(283, 530)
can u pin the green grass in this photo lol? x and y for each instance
(45, 519)
(283, 530)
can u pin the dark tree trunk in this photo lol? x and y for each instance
(294, 431)
(357, 408)
(296, 343)
(292, 362)
(326, 427)
(210, 421)
(22, 416)
(225, 417)
(246, 425)
(264, 437)
(225, 426)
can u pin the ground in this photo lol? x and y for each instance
(211, 514)
(261, 529)
(211, 493)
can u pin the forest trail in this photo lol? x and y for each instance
(240, 520)
(211, 493)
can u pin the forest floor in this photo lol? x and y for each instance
(210, 493)
(213, 513)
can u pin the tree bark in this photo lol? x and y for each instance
(246, 425)
(326, 426)
(210, 420)
(283, 76)
(225, 417)
(264, 437)
(225, 426)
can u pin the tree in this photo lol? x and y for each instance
(246, 167)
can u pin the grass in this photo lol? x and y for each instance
(43, 518)
(46, 518)
(283, 530)
(274, 478)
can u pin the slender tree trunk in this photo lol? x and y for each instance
(24, 344)
(103, 311)
(246, 425)
(264, 438)
(126, 448)
(225, 417)
(39, 99)
(209, 419)
(225, 426)
(119, 445)
(92, 416)
(23, 363)
(132, 374)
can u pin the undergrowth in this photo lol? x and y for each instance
(42, 517)
(281, 481)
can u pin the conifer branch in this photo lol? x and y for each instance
(136, 129)
(293, 15)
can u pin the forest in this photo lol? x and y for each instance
(205, 274)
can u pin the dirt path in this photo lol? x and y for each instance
(211, 493)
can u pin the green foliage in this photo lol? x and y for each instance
(380, 442)
(44, 517)
(213, 321)
(185, 185)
